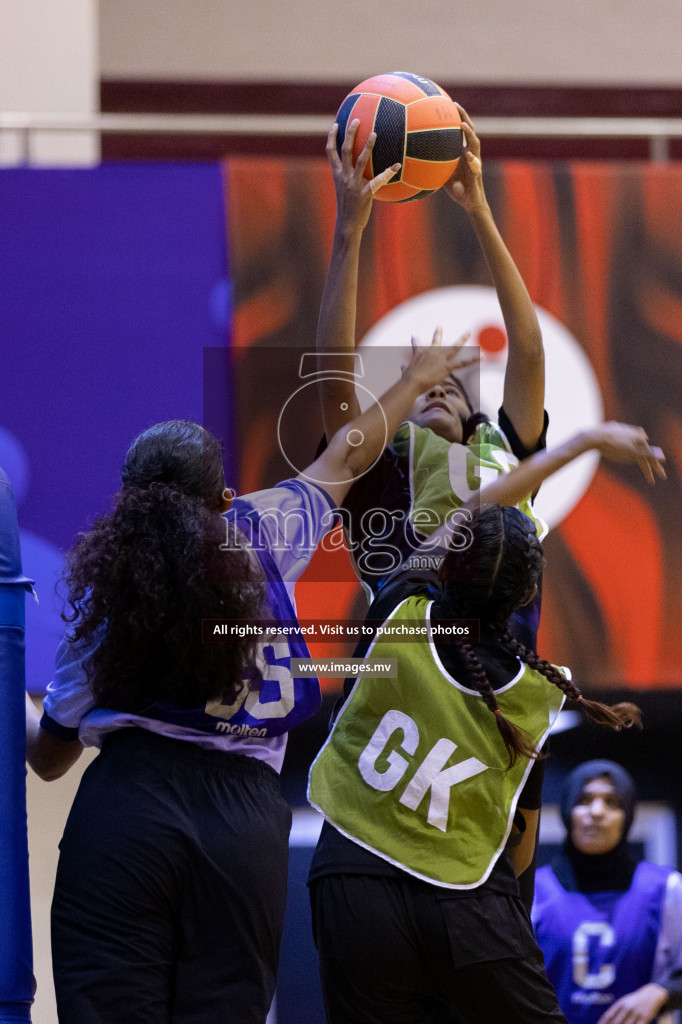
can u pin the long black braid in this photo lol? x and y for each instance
(488, 579)
(616, 716)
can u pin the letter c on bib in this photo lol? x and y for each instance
(392, 722)
(605, 974)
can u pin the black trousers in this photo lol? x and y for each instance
(405, 952)
(171, 887)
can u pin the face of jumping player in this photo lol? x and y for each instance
(443, 408)
(597, 818)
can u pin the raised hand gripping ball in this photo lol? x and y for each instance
(417, 125)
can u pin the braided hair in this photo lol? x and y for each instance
(488, 579)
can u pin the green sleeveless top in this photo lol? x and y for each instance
(443, 475)
(415, 769)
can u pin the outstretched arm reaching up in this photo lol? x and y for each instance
(524, 382)
(336, 324)
(616, 442)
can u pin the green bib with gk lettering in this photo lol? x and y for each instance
(415, 769)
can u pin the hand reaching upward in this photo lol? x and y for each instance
(354, 193)
(465, 186)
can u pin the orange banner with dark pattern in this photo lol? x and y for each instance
(600, 249)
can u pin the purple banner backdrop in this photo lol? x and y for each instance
(113, 281)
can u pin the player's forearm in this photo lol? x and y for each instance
(525, 479)
(48, 756)
(354, 447)
(336, 323)
(524, 386)
(511, 488)
(336, 329)
(361, 441)
(518, 312)
(522, 851)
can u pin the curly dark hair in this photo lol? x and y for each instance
(487, 579)
(141, 580)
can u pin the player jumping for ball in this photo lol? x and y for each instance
(433, 473)
(440, 455)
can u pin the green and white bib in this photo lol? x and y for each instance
(443, 475)
(415, 769)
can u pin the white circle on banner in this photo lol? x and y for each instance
(572, 396)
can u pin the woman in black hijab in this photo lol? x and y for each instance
(610, 928)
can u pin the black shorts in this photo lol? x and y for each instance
(171, 887)
(398, 951)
